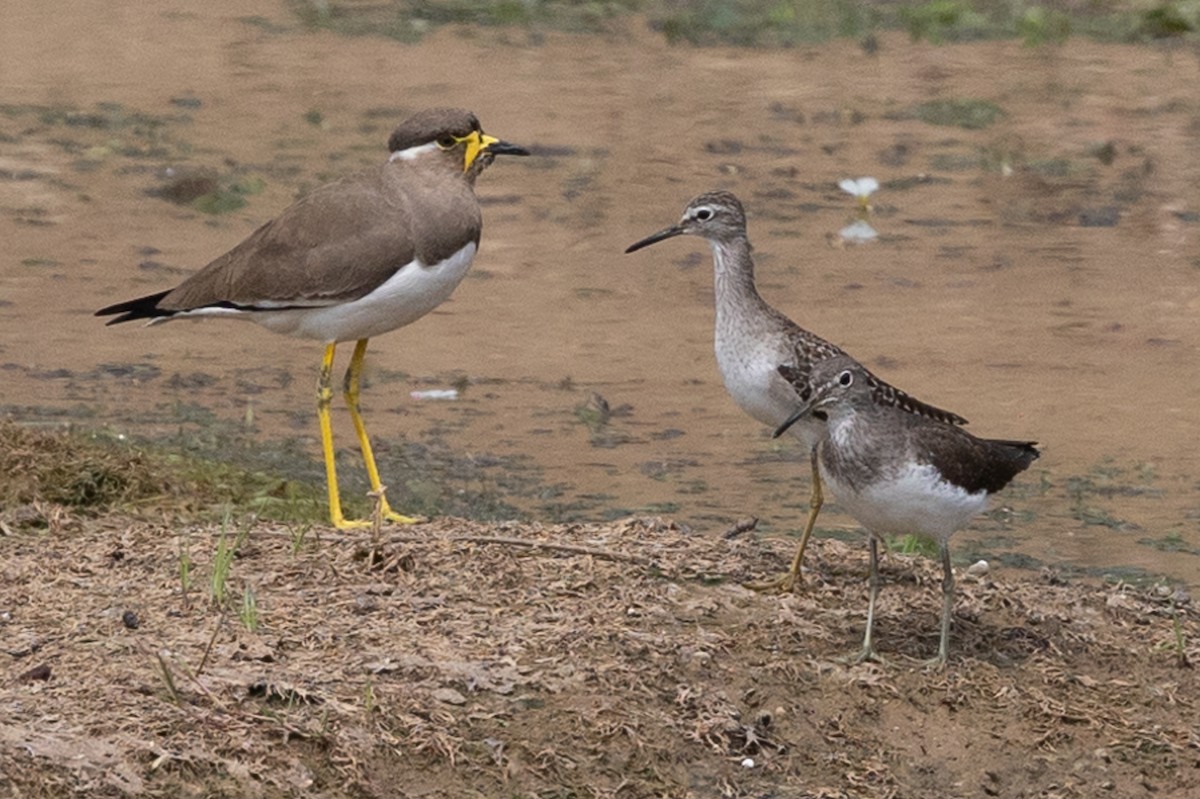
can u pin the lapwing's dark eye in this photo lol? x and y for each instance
(845, 378)
(704, 214)
(446, 142)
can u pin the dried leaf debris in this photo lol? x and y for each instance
(621, 660)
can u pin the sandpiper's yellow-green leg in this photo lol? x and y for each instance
(350, 389)
(794, 576)
(867, 653)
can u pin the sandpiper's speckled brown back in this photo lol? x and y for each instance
(883, 441)
(812, 350)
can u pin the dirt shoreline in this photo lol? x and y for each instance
(1035, 271)
(457, 659)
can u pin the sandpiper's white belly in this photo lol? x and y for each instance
(753, 381)
(411, 292)
(914, 500)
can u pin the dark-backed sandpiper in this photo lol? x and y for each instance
(352, 259)
(898, 473)
(752, 339)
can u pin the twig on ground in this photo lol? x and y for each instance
(528, 543)
(531, 543)
(212, 639)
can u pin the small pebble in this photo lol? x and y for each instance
(365, 604)
(130, 620)
(978, 568)
(41, 672)
(748, 763)
(449, 696)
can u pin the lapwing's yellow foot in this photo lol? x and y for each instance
(379, 495)
(389, 516)
(350, 524)
(399, 518)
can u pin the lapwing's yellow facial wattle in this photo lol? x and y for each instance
(476, 142)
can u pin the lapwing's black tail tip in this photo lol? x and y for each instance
(132, 310)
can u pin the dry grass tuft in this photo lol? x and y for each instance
(80, 472)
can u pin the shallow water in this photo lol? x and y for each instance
(1040, 276)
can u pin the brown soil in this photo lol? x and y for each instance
(1037, 276)
(624, 660)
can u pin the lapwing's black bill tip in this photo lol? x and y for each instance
(653, 239)
(507, 148)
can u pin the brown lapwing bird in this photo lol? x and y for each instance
(752, 339)
(898, 473)
(352, 259)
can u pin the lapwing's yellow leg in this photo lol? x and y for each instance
(794, 577)
(324, 399)
(351, 386)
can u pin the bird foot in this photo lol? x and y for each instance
(342, 523)
(865, 655)
(784, 584)
(400, 518)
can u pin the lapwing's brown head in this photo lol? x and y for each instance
(452, 135)
(715, 215)
(838, 382)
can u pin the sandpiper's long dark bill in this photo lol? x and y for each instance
(654, 238)
(807, 409)
(352, 259)
(752, 339)
(898, 473)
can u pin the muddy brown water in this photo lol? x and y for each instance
(1040, 276)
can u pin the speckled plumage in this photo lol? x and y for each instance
(898, 473)
(766, 359)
